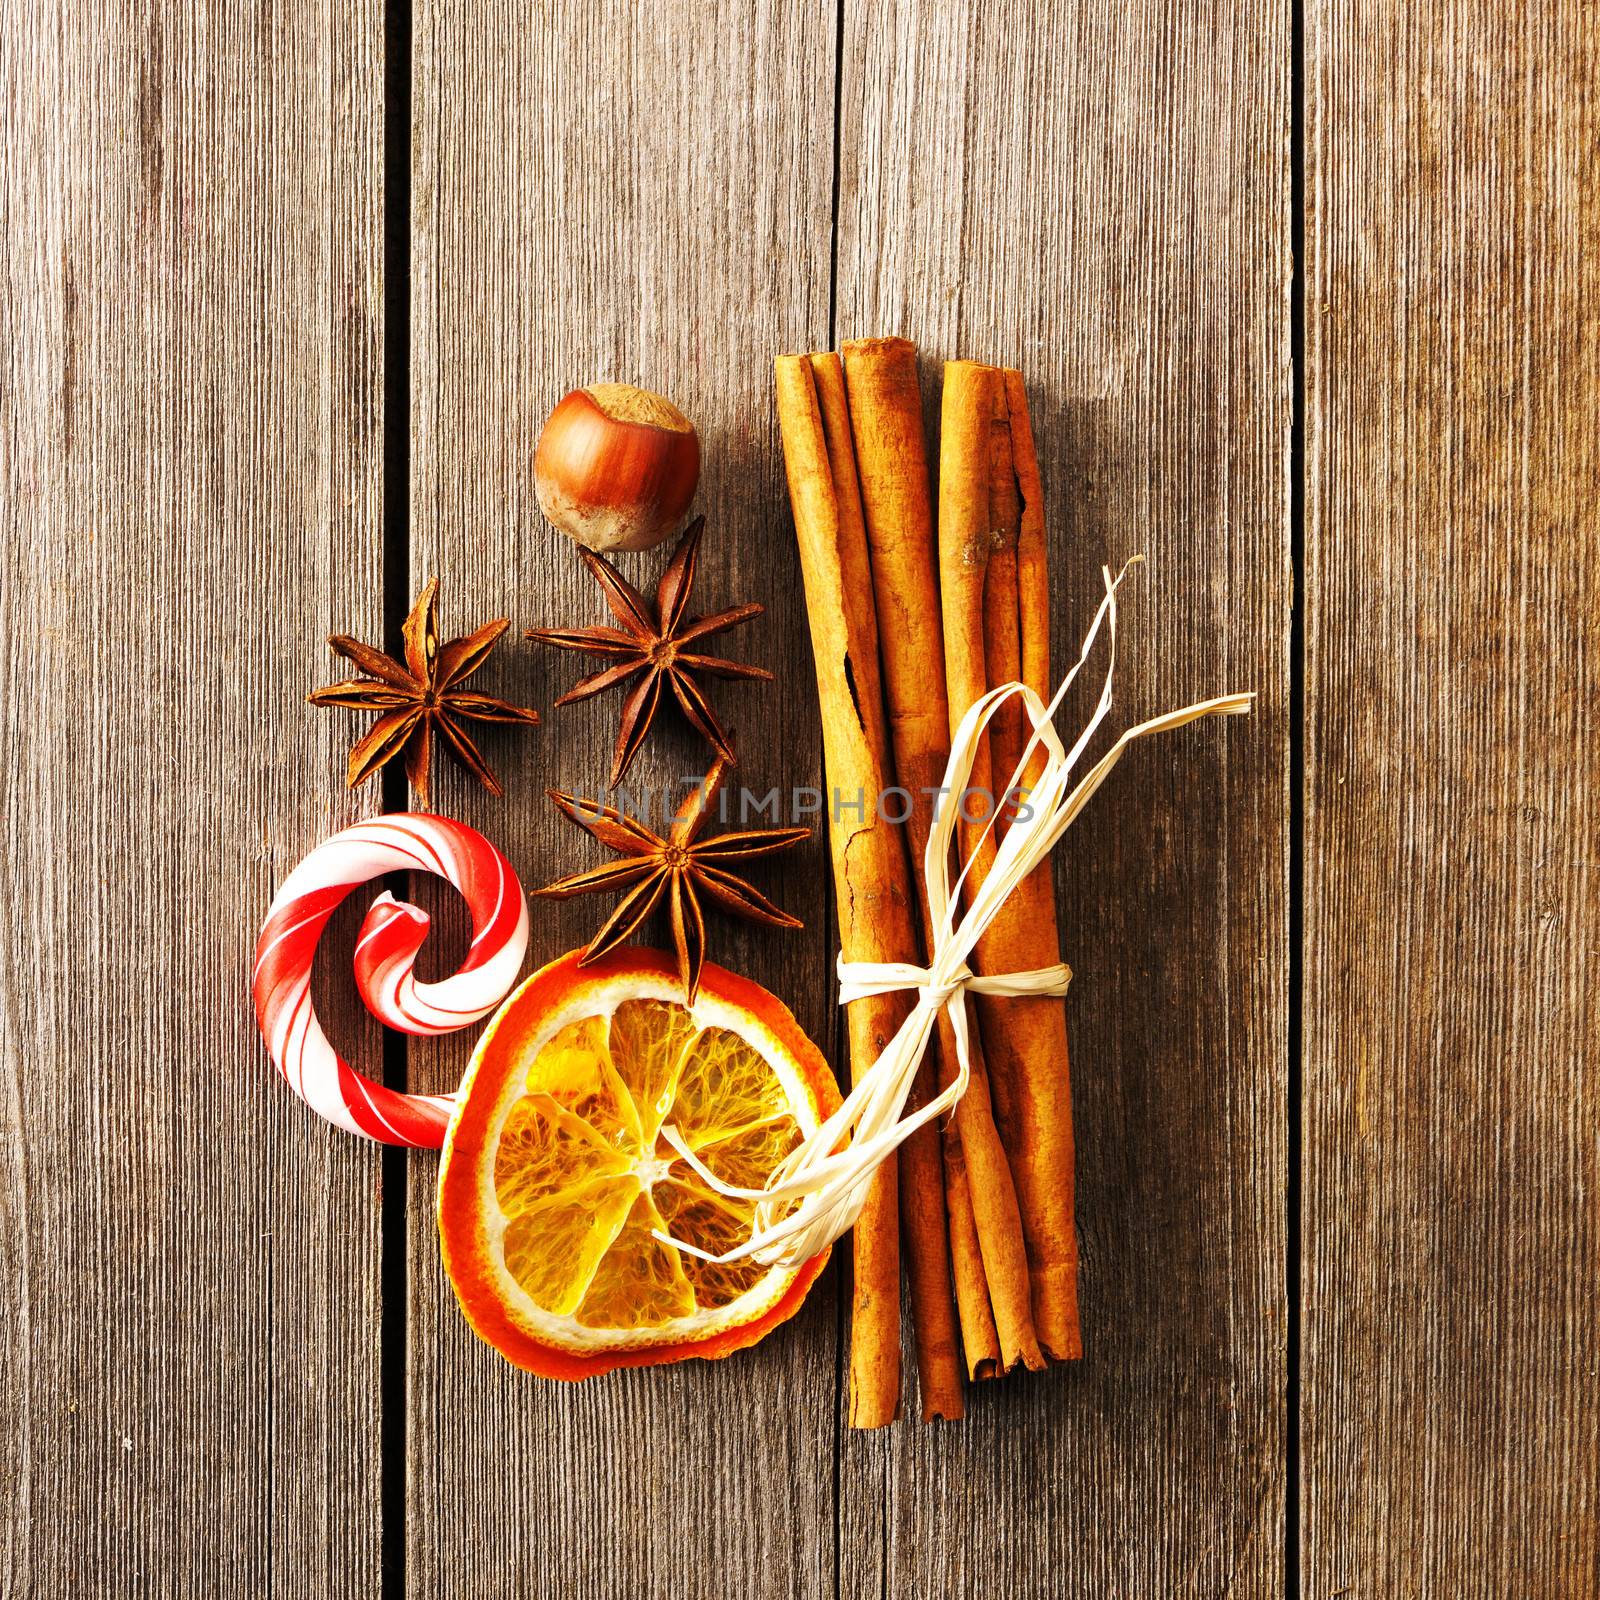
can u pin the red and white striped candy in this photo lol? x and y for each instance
(386, 949)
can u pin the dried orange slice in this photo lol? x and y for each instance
(556, 1181)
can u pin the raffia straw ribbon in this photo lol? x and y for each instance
(815, 1194)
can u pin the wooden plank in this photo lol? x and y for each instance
(1451, 1444)
(1099, 194)
(610, 194)
(189, 462)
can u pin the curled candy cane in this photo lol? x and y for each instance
(386, 951)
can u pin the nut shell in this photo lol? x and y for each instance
(616, 467)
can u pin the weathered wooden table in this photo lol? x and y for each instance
(1307, 298)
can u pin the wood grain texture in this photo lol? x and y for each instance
(640, 194)
(190, 451)
(190, 414)
(1452, 897)
(1099, 195)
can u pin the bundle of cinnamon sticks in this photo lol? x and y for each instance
(913, 618)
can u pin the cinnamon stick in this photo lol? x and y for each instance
(893, 474)
(1043, 1099)
(1002, 639)
(869, 863)
(967, 419)
(980, 1341)
(927, 1250)
(886, 421)
(1033, 576)
(1024, 1037)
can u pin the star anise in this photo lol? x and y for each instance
(659, 650)
(682, 867)
(423, 694)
